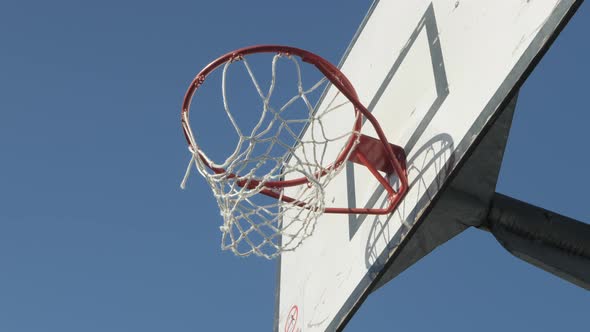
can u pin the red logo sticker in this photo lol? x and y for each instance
(291, 323)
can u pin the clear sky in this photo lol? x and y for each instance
(95, 234)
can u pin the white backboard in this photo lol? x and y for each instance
(435, 73)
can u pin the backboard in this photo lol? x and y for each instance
(436, 74)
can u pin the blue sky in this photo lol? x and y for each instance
(95, 234)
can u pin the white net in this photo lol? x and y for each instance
(283, 144)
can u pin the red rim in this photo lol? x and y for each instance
(337, 78)
(333, 74)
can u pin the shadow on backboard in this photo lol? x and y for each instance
(427, 170)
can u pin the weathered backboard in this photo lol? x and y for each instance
(435, 73)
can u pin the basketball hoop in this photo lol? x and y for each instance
(296, 177)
